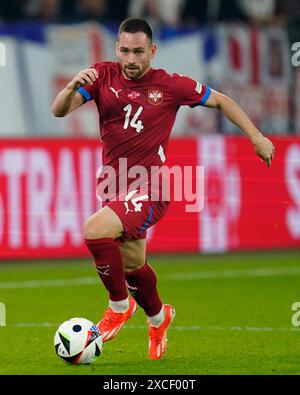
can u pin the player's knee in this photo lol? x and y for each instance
(97, 229)
(130, 265)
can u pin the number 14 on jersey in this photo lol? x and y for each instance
(135, 122)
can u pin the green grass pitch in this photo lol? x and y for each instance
(233, 316)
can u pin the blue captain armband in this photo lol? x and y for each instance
(205, 96)
(87, 96)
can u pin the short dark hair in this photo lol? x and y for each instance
(135, 25)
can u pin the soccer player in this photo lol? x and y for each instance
(137, 106)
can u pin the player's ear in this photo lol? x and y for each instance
(153, 50)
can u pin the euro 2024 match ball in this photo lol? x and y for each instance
(78, 341)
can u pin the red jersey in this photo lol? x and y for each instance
(136, 116)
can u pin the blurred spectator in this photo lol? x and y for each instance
(292, 9)
(157, 11)
(195, 12)
(12, 10)
(91, 10)
(258, 10)
(263, 11)
(48, 11)
(68, 8)
(117, 10)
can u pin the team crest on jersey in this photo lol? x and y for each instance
(155, 96)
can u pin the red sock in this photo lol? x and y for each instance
(109, 265)
(141, 284)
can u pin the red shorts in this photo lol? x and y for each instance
(137, 217)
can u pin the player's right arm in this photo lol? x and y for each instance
(69, 99)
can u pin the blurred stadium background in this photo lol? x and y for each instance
(48, 165)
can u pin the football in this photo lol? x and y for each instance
(78, 341)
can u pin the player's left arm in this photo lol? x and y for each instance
(262, 145)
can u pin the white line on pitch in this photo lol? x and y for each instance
(60, 282)
(199, 275)
(179, 327)
(211, 275)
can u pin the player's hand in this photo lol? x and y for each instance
(264, 148)
(84, 77)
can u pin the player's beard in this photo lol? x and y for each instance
(133, 73)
